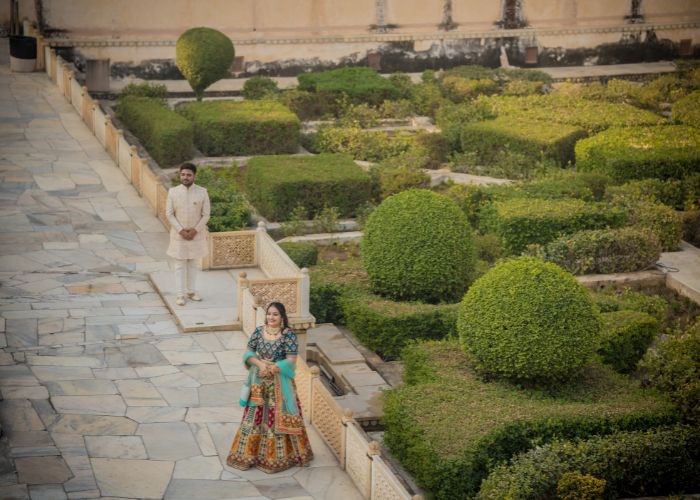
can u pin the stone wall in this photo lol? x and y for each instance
(285, 38)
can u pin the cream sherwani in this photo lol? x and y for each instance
(187, 208)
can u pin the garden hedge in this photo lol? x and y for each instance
(331, 281)
(303, 253)
(590, 115)
(418, 245)
(365, 145)
(203, 56)
(167, 136)
(229, 208)
(450, 428)
(687, 109)
(629, 300)
(624, 154)
(662, 221)
(360, 85)
(550, 140)
(236, 128)
(277, 184)
(625, 337)
(603, 251)
(657, 462)
(260, 87)
(667, 191)
(528, 320)
(521, 222)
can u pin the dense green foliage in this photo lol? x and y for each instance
(625, 337)
(386, 326)
(145, 89)
(670, 192)
(630, 153)
(260, 87)
(360, 85)
(527, 320)
(277, 184)
(603, 251)
(632, 464)
(687, 109)
(449, 428)
(229, 128)
(203, 56)
(308, 105)
(303, 253)
(165, 134)
(629, 300)
(551, 140)
(229, 208)
(417, 245)
(360, 144)
(520, 222)
(662, 221)
(331, 281)
(673, 366)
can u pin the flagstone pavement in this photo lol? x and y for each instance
(102, 397)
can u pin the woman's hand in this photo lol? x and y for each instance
(263, 371)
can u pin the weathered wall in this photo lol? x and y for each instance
(285, 37)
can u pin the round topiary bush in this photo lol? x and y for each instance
(527, 320)
(418, 245)
(203, 56)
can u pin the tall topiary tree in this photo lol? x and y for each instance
(203, 56)
(527, 320)
(418, 245)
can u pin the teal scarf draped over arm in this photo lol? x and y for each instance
(286, 375)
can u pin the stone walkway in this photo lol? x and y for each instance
(101, 396)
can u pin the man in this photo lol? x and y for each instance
(187, 209)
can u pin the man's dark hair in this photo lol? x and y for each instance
(189, 166)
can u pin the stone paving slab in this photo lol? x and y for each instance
(685, 273)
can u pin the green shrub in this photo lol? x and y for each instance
(458, 89)
(451, 118)
(629, 300)
(470, 72)
(504, 164)
(632, 464)
(575, 486)
(590, 115)
(229, 128)
(524, 221)
(427, 98)
(560, 185)
(403, 84)
(276, 184)
(475, 200)
(304, 254)
(165, 134)
(449, 428)
(523, 88)
(551, 140)
(386, 326)
(428, 76)
(326, 220)
(229, 208)
(418, 245)
(488, 247)
(530, 75)
(691, 227)
(603, 251)
(401, 109)
(145, 89)
(203, 56)
(360, 144)
(687, 109)
(625, 337)
(331, 281)
(669, 192)
(431, 148)
(394, 179)
(358, 116)
(260, 87)
(640, 152)
(360, 85)
(662, 221)
(308, 105)
(528, 320)
(673, 366)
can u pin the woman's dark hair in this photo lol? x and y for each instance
(189, 166)
(283, 312)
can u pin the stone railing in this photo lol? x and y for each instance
(357, 454)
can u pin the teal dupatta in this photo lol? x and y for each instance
(286, 376)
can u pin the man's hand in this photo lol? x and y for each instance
(188, 234)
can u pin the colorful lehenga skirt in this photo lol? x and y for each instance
(269, 438)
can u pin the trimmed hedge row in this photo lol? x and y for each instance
(166, 135)
(629, 300)
(450, 428)
(625, 337)
(524, 221)
(277, 184)
(360, 85)
(603, 251)
(672, 151)
(365, 145)
(687, 109)
(551, 140)
(662, 221)
(304, 254)
(631, 464)
(236, 128)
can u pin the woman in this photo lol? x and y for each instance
(272, 436)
